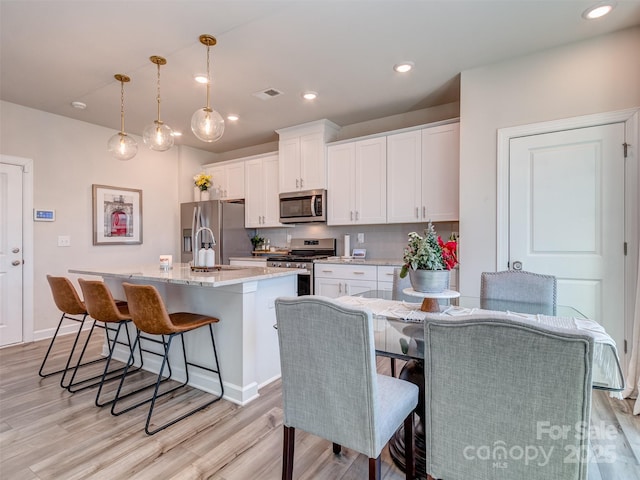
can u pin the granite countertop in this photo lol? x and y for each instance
(362, 261)
(181, 274)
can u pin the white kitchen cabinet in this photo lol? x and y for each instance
(302, 155)
(356, 187)
(261, 187)
(335, 280)
(228, 178)
(423, 175)
(441, 172)
(385, 277)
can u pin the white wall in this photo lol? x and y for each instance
(598, 75)
(68, 157)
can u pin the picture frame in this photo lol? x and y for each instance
(117, 215)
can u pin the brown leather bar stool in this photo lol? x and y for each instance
(150, 317)
(68, 302)
(103, 308)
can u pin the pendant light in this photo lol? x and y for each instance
(158, 136)
(121, 145)
(206, 123)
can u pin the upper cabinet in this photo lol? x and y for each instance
(356, 191)
(423, 174)
(261, 201)
(228, 178)
(302, 155)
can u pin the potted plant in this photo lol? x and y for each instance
(256, 241)
(428, 259)
(202, 183)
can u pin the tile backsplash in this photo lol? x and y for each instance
(380, 241)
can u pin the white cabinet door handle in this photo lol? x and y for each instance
(424, 212)
(358, 273)
(417, 213)
(301, 183)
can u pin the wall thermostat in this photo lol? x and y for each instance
(44, 215)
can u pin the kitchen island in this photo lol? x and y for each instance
(241, 297)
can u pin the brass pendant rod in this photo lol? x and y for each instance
(122, 79)
(158, 97)
(208, 78)
(209, 41)
(158, 61)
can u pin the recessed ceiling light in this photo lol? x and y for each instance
(310, 95)
(403, 67)
(200, 78)
(233, 117)
(597, 11)
(79, 105)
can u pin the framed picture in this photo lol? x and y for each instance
(117, 215)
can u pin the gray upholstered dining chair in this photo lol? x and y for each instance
(505, 400)
(399, 284)
(330, 387)
(504, 290)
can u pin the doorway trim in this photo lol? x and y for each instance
(630, 117)
(27, 243)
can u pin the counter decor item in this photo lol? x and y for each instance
(428, 259)
(257, 242)
(202, 183)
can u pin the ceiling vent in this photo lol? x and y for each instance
(268, 93)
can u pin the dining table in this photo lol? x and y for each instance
(399, 334)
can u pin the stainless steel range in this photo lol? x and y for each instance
(303, 252)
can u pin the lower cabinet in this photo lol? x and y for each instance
(333, 280)
(385, 278)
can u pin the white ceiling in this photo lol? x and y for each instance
(55, 52)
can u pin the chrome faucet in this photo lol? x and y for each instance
(194, 242)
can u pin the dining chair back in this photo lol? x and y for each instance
(518, 290)
(399, 284)
(330, 386)
(506, 399)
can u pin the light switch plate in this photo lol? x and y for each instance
(64, 241)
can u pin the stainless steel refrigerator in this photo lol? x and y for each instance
(226, 221)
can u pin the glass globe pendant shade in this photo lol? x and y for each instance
(158, 136)
(207, 125)
(122, 146)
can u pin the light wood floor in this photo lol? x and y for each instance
(48, 433)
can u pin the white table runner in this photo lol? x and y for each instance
(410, 312)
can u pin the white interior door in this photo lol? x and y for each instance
(566, 217)
(10, 254)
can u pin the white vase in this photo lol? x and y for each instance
(196, 194)
(205, 195)
(429, 281)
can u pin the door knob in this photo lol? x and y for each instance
(15, 250)
(517, 265)
(15, 263)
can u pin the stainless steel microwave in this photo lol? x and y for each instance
(306, 206)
